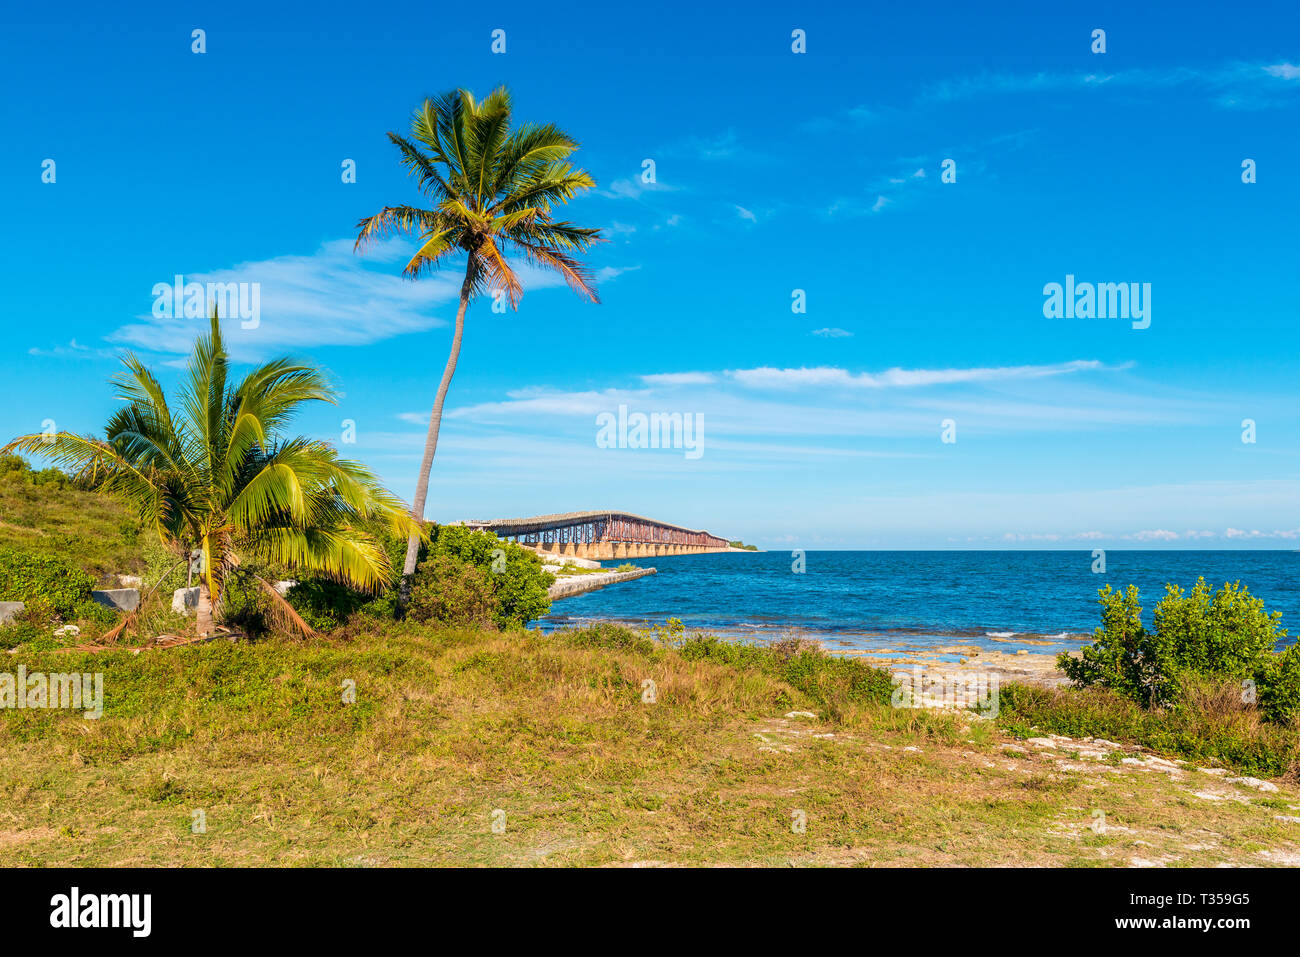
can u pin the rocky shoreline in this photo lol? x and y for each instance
(1025, 667)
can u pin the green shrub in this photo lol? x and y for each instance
(15, 633)
(829, 680)
(164, 570)
(1279, 686)
(51, 579)
(31, 627)
(14, 464)
(518, 582)
(452, 592)
(1205, 729)
(91, 610)
(1225, 635)
(15, 467)
(605, 634)
(325, 603)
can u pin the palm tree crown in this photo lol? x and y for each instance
(215, 474)
(492, 190)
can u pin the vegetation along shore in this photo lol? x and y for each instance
(372, 740)
(289, 665)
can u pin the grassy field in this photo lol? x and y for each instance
(551, 737)
(97, 530)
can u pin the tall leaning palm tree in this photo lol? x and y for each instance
(215, 474)
(491, 190)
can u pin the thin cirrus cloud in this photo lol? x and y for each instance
(767, 377)
(679, 378)
(634, 188)
(332, 297)
(540, 401)
(73, 350)
(1240, 77)
(821, 401)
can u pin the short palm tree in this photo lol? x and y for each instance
(215, 475)
(491, 191)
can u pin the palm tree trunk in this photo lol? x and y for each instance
(431, 444)
(203, 614)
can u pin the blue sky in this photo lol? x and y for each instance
(775, 171)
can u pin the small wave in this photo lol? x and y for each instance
(999, 634)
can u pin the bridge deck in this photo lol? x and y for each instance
(542, 523)
(602, 534)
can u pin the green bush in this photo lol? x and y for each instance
(15, 633)
(1224, 635)
(518, 582)
(91, 610)
(1279, 686)
(32, 577)
(606, 634)
(452, 592)
(15, 467)
(826, 679)
(1201, 731)
(325, 604)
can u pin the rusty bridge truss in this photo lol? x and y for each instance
(602, 535)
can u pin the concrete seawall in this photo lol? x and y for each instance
(572, 585)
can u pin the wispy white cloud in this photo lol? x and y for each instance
(634, 188)
(679, 378)
(1154, 535)
(606, 273)
(545, 402)
(832, 332)
(73, 350)
(857, 116)
(331, 297)
(1233, 84)
(767, 377)
(888, 191)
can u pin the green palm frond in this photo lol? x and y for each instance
(491, 187)
(220, 476)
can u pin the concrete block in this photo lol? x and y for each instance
(10, 610)
(123, 599)
(185, 600)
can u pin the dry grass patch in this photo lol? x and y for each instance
(557, 734)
